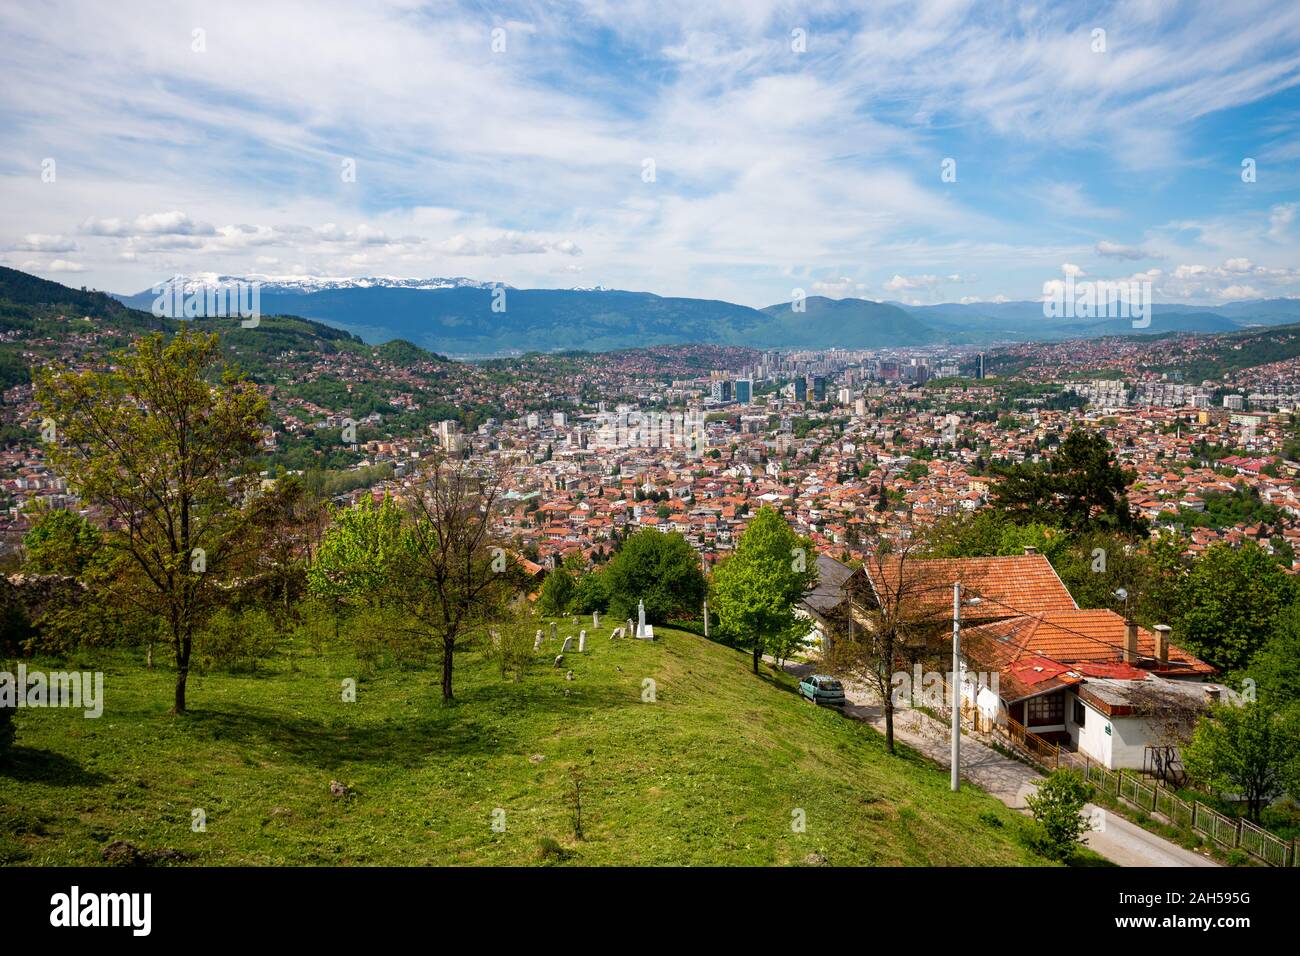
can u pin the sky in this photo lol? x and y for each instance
(916, 152)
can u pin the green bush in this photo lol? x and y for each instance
(1057, 807)
(234, 641)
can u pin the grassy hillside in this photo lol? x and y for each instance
(710, 773)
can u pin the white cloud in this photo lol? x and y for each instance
(1116, 251)
(40, 242)
(53, 266)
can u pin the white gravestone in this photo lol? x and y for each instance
(568, 645)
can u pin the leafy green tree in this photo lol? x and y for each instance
(1231, 601)
(1275, 667)
(354, 563)
(757, 589)
(1057, 807)
(60, 542)
(1080, 487)
(592, 593)
(661, 569)
(558, 593)
(1252, 751)
(168, 453)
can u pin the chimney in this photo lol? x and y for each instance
(1212, 694)
(1030, 549)
(1162, 643)
(1130, 642)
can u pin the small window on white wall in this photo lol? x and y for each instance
(1080, 712)
(1046, 710)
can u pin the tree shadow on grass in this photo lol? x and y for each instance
(31, 765)
(333, 743)
(475, 726)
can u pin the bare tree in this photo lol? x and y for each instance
(452, 577)
(900, 608)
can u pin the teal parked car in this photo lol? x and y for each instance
(822, 689)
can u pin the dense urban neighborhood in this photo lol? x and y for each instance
(1120, 540)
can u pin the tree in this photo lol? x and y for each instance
(287, 522)
(661, 569)
(60, 542)
(1057, 807)
(169, 455)
(1252, 751)
(1274, 666)
(756, 589)
(451, 575)
(1080, 487)
(1231, 601)
(355, 561)
(558, 593)
(900, 610)
(592, 593)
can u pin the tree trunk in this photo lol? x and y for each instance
(889, 724)
(181, 674)
(183, 646)
(446, 671)
(757, 655)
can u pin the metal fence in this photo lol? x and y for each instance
(1193, 815)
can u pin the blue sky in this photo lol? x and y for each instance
(793, 145)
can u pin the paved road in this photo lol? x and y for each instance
(1115, 838)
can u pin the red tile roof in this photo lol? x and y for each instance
(1090, 638)
(1007, 586)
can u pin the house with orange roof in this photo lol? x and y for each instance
(1084, 678)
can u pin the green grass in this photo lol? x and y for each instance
(709, 773)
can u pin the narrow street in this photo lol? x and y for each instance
(1120, 841)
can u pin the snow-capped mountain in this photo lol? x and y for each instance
(305, 284)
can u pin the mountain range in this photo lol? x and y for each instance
(460, 316)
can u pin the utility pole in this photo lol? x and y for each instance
(956, 686)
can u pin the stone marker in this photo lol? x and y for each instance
(582, 642)
(630, 627)
(554, 631)
(568, 645)
(613, 635)
(595, 619)
(559, 659)
(537, 642)
(569, 676)
(706, 618)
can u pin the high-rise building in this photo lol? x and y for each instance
(979, 365)
(801, 389)
(819, 388)
(744, 390)
(721, 390)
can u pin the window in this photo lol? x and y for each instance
(1049, 709)
(1080, 712)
